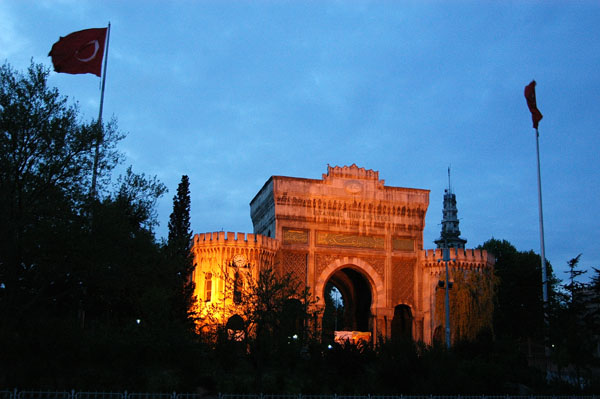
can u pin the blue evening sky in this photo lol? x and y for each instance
(232, 92)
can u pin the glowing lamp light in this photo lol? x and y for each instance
(138, 321)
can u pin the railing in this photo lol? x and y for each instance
(16, 394)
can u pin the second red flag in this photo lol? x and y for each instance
(536, 115)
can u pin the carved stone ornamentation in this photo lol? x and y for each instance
(377, 263)
(294, 263)
(322, 261)
(295, 236)
(349, 240)
(403, 282)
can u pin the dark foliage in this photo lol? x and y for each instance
(85, 290)
(518, 312)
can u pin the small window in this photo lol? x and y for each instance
(208, 287)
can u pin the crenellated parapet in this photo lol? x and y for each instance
(352, 172)
(240, 240)
(220, 248)
(461, 259)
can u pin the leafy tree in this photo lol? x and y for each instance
(82, 280)
(124, 267)
(471, 304)
(518, 311)
(573, 324)
(264, 331)
(594, 311)
(277, 311)
(46, 157)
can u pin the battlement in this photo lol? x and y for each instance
(458, 256)
(239, 240)
(352, 172)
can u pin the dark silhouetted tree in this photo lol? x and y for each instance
(572, 324)
(46, 157)
(180, 254)
(518, 311)
(82, 280)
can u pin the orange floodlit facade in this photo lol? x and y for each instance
(347, 229)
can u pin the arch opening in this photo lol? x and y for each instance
(402, 322)
(348, 299)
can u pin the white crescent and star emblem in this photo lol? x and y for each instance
(91, 57)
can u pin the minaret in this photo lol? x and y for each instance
(450, 235)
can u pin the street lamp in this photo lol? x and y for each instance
(446, 259)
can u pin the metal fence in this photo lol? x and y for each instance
(16, 394)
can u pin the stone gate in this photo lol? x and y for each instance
(348, 229)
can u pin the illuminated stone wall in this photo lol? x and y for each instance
(217, 256)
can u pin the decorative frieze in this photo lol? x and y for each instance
(349, 240)
(295, 236)
(403, 244)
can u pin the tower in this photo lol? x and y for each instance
(450, 235)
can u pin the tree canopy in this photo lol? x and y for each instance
(518, 311)
(82, 276)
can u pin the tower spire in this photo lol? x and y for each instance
(450, 234)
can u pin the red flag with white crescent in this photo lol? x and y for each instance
(79, 52)
(536, 115)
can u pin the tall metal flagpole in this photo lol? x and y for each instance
(536, 117)
(100, 136)
(542, 247)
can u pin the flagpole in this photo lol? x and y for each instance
(100, 136)
(542, 247)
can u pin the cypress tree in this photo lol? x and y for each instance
(179, 251)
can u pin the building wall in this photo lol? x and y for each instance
(219, 255)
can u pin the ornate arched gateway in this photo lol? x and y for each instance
(361, 289)
(348, 229)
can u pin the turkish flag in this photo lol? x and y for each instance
(536, 115)
(79, 52)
